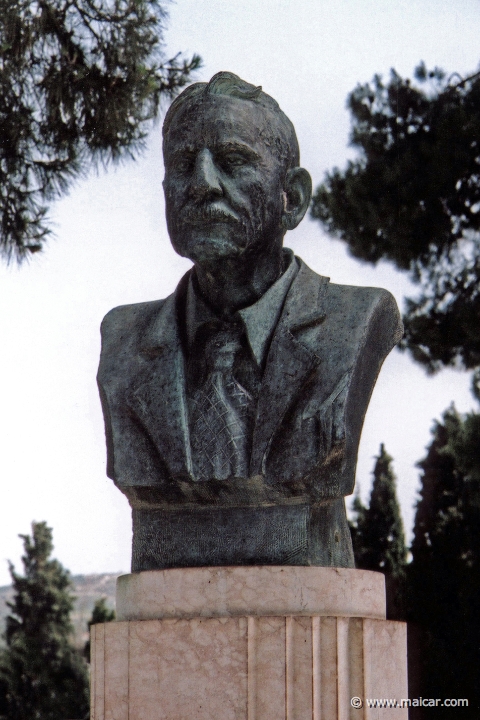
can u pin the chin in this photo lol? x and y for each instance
(203, 248)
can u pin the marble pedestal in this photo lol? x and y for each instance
(248, 643)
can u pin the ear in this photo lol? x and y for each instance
(297, 195)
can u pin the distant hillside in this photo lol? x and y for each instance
(87, 589)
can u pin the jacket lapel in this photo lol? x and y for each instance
(290, 360)
(159, 400)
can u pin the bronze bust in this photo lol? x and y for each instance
(234, 407)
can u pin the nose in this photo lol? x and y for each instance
(205, 180)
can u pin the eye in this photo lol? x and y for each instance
(183, 163)
(233, 160)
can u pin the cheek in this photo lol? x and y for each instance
(267, 199)
(171, 209)
(254, 194)
(173, 197)
(170, 188)
(175, 185)
(167, 191)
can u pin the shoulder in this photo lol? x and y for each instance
(130, 322)
(128, 319)
(367, 307)
(360, 301)
(352, 314)
(351, 305)
(123, 330)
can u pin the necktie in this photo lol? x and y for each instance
(221, 411)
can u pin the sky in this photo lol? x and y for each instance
(111, 247)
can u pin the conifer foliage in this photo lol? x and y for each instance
(42, 676)
(79, 81)
(377, 534)
(444, 575)
(412, 197)
(101, 613)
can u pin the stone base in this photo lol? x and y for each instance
(223, 663)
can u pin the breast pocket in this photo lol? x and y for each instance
(329, 420)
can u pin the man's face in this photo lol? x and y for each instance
(223, 184)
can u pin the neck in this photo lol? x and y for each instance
(230, 284)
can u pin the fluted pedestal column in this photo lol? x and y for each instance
(248, 643)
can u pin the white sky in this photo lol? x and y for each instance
(111, 247)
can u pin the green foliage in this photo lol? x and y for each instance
(43, 676)
(413, 198)
(380, 541)
(100, 614)
(444, 576)
(357, 525)
(79, 81)
(377, 534)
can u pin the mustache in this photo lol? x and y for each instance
(207, 212)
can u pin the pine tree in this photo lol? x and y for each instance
(444, 575)
(412, 197)
(44, 676)
(378, 537)
(80, 80)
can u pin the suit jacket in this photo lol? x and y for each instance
(324, 358)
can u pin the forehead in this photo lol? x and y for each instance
(216, 119)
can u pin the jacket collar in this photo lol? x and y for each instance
(259, 319)
(159, 400)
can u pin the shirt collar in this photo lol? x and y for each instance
(259, 319)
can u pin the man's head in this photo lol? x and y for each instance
(232, 182)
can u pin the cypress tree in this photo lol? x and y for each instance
(45, 678)
(378, 537)
(100, 614)
(357, 524)
(444, 575)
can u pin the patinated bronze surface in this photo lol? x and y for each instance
(234, 407)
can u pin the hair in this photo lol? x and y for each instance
(282, 139)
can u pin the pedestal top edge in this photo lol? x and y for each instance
(267, 590)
